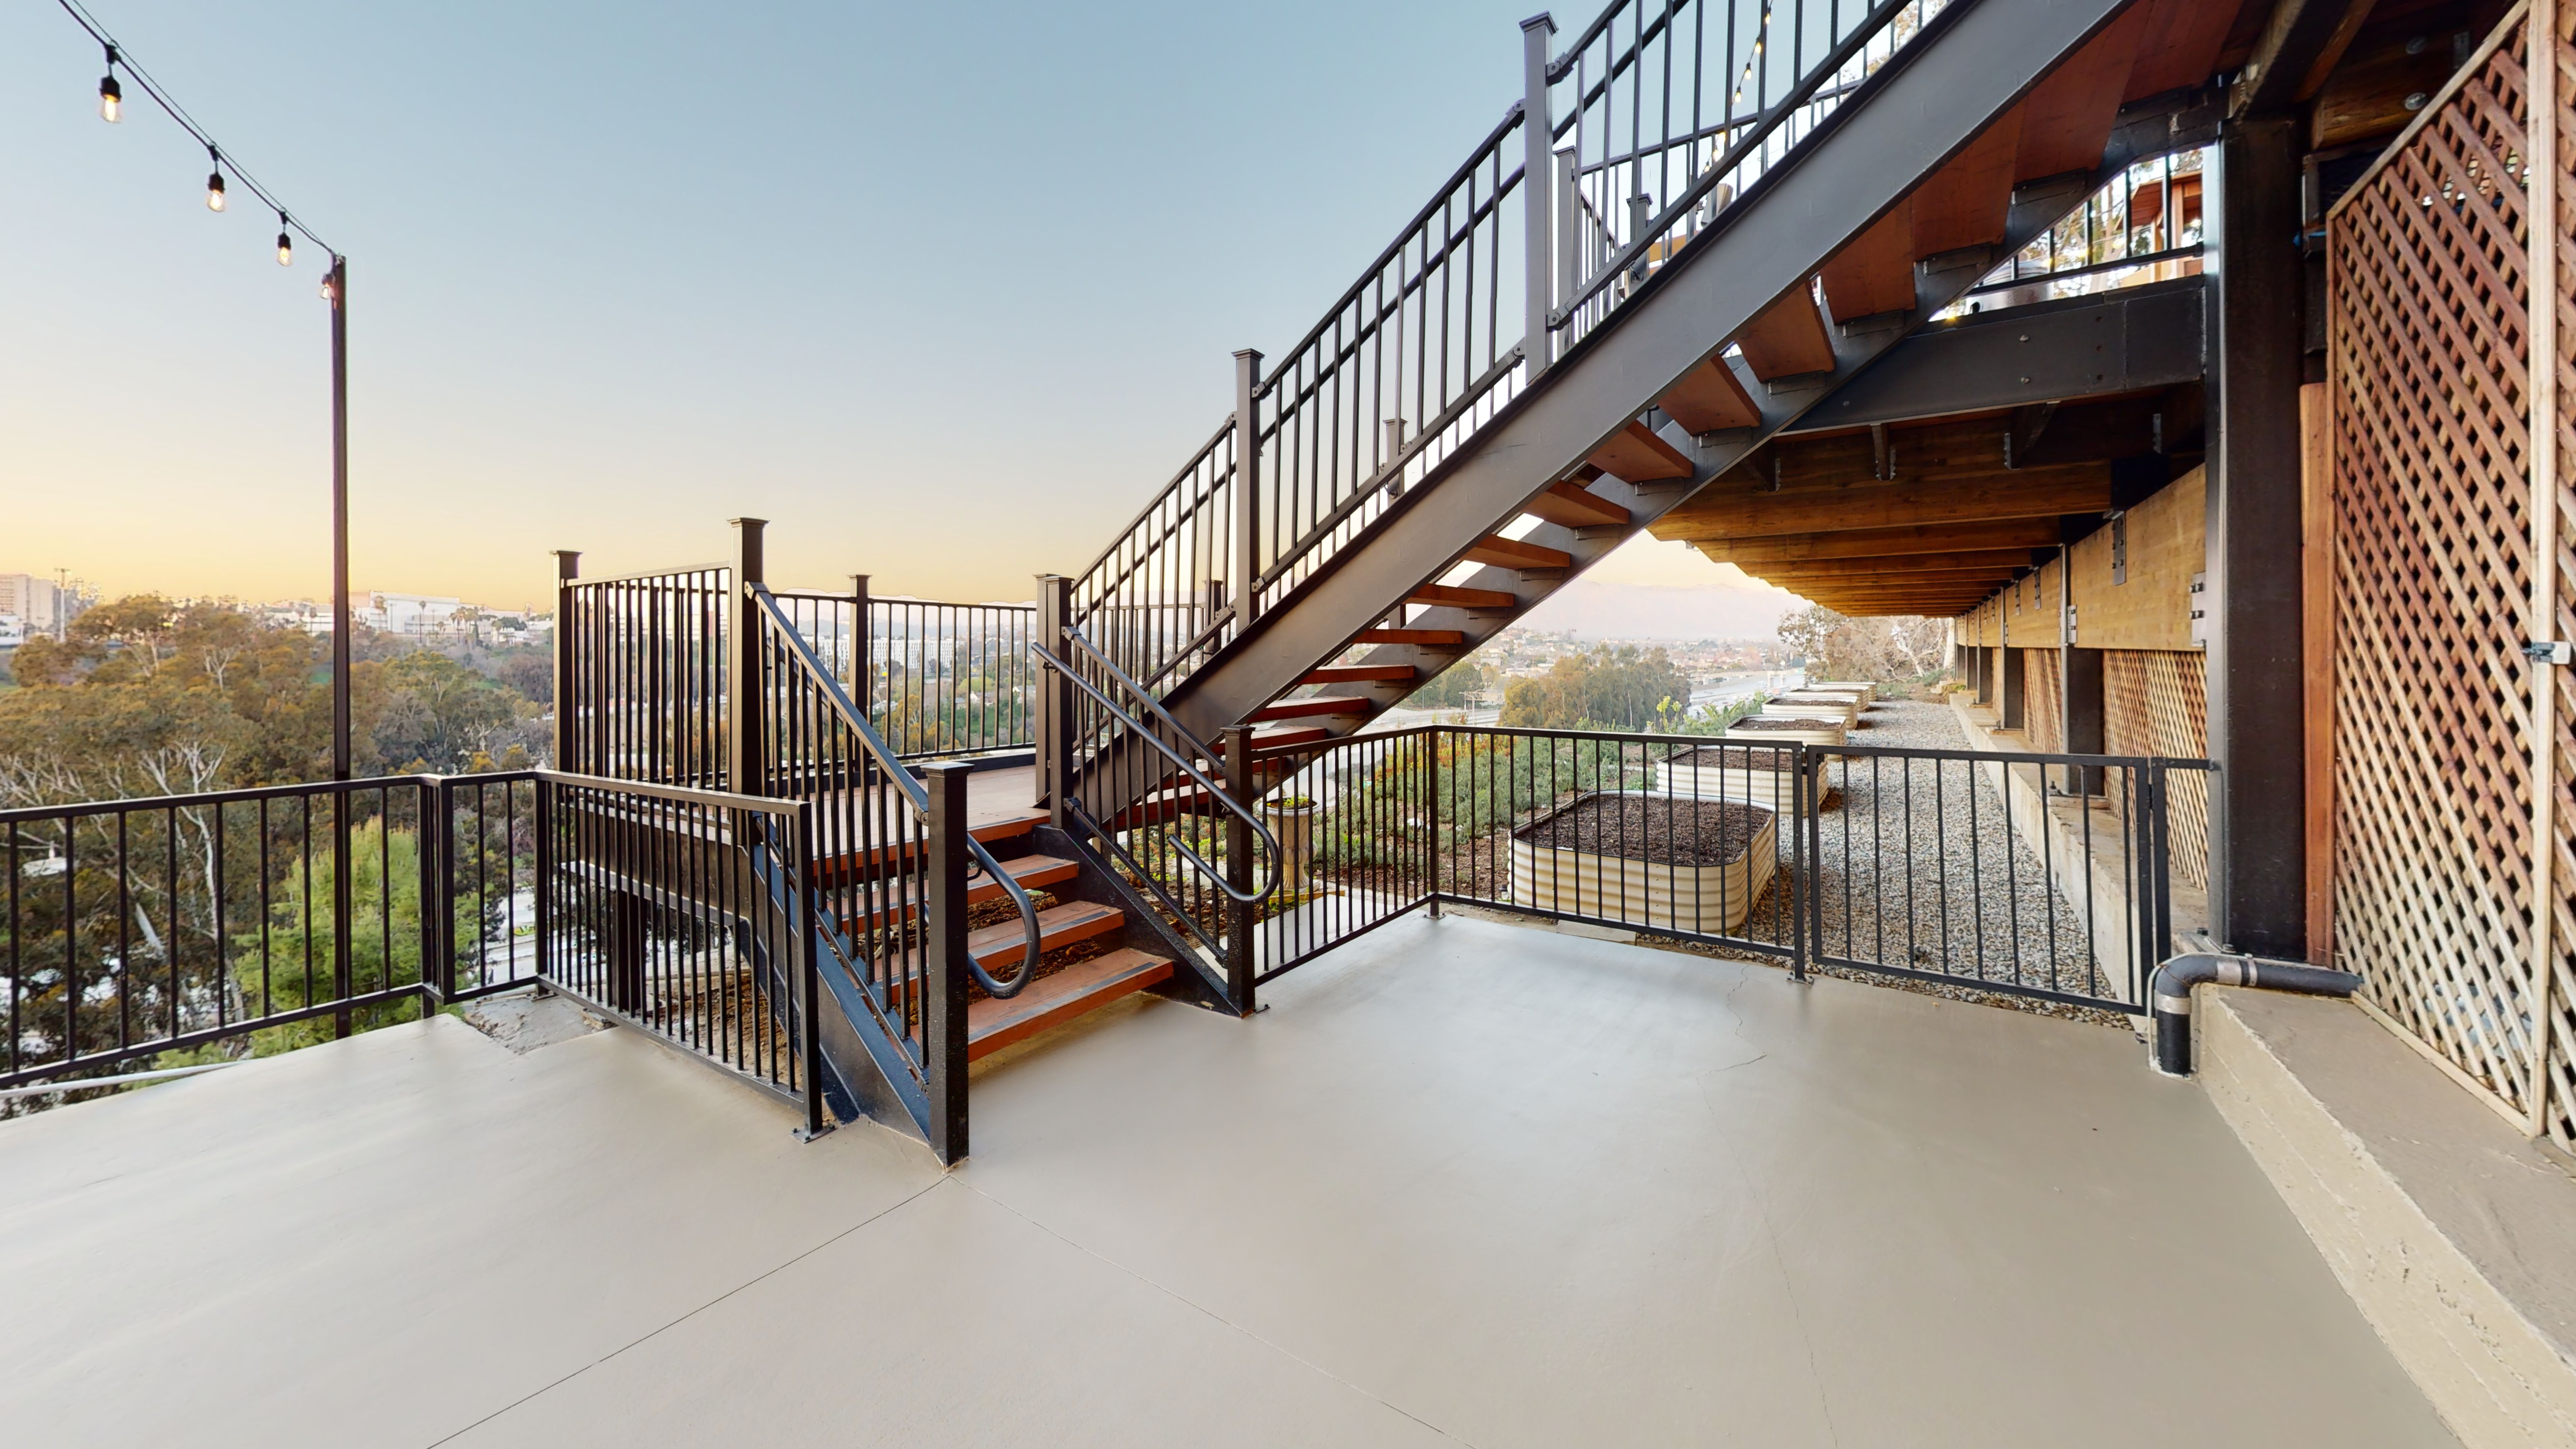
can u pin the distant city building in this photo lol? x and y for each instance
(426, 618)
(13, 631)
(40, 606)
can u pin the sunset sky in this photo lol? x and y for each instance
(943, 291)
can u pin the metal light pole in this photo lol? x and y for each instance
(336, 290)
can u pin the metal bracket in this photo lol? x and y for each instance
(2550, 651)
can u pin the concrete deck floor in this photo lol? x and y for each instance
(1462, 1183)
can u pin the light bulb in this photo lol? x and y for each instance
(285, 249)
(111, 99)
(214, 191)
(330, 287)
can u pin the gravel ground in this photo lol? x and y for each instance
(1919, 868)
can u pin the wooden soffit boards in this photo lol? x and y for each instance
(2180, 43)
(1998, 561)
(2067, 119)
(2021, 533)
(1743, 512)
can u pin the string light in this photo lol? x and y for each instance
(223, 171)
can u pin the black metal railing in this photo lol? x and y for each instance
(2141, 226)
(1654, 120)
(935, 680)
(640, 675)
(2034, 875)
(135, 928)
(186, 930)
(1173, 812)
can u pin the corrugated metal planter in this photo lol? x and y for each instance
(1749, 776)
(1845, 707)
(1779, 731)
(1683, 865)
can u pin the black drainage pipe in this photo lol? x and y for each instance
(2169, 994)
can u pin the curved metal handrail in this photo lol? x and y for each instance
(916, 793)
(1269, 842)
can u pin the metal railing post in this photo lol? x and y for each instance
(1239, 914)
(744, 705)
(1806, 910)
(1431, 815)
(437, 894)
(1569, 244)
(543, 807)
(862, 677)
(1538, 143)
(1247, 492)
(943, 1015)
(567, 569)
(1054, 721)
(809, 996)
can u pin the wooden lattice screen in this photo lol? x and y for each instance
(2156, 702)
(2428, 348)
(2043, 700)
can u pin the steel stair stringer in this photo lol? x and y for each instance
(1921, 109)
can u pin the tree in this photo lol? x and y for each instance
(1620, 687)
(1883, 650)
(1449, 688)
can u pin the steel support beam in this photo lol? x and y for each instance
(2080, 347)
(2258, 812)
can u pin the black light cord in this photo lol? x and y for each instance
(118, 56)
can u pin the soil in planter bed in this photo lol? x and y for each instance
(1654, 829)
(1740, 757)
(1766, 722)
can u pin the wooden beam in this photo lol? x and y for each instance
(1787, 339)
(2003, 563)
(1879, 542)
(1711, 399)
(2028, 493)
(2299, 46)
(1637, 455)
(2366, 95)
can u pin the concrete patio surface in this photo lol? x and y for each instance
(1460, 1183)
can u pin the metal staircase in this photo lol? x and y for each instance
(1736, 213)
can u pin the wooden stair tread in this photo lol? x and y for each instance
(1311, 706)
(1511, 553)
(1359, 674)
(841, 866)
(1634, 453)
(1080, 988)
(1000, 945)
(1450, 596)
(1425, 638)
(1031, 871)
(1571, 505)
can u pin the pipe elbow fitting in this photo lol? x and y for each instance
(2169, 993)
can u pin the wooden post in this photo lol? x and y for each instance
(2544, 285)
(2316, 648)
